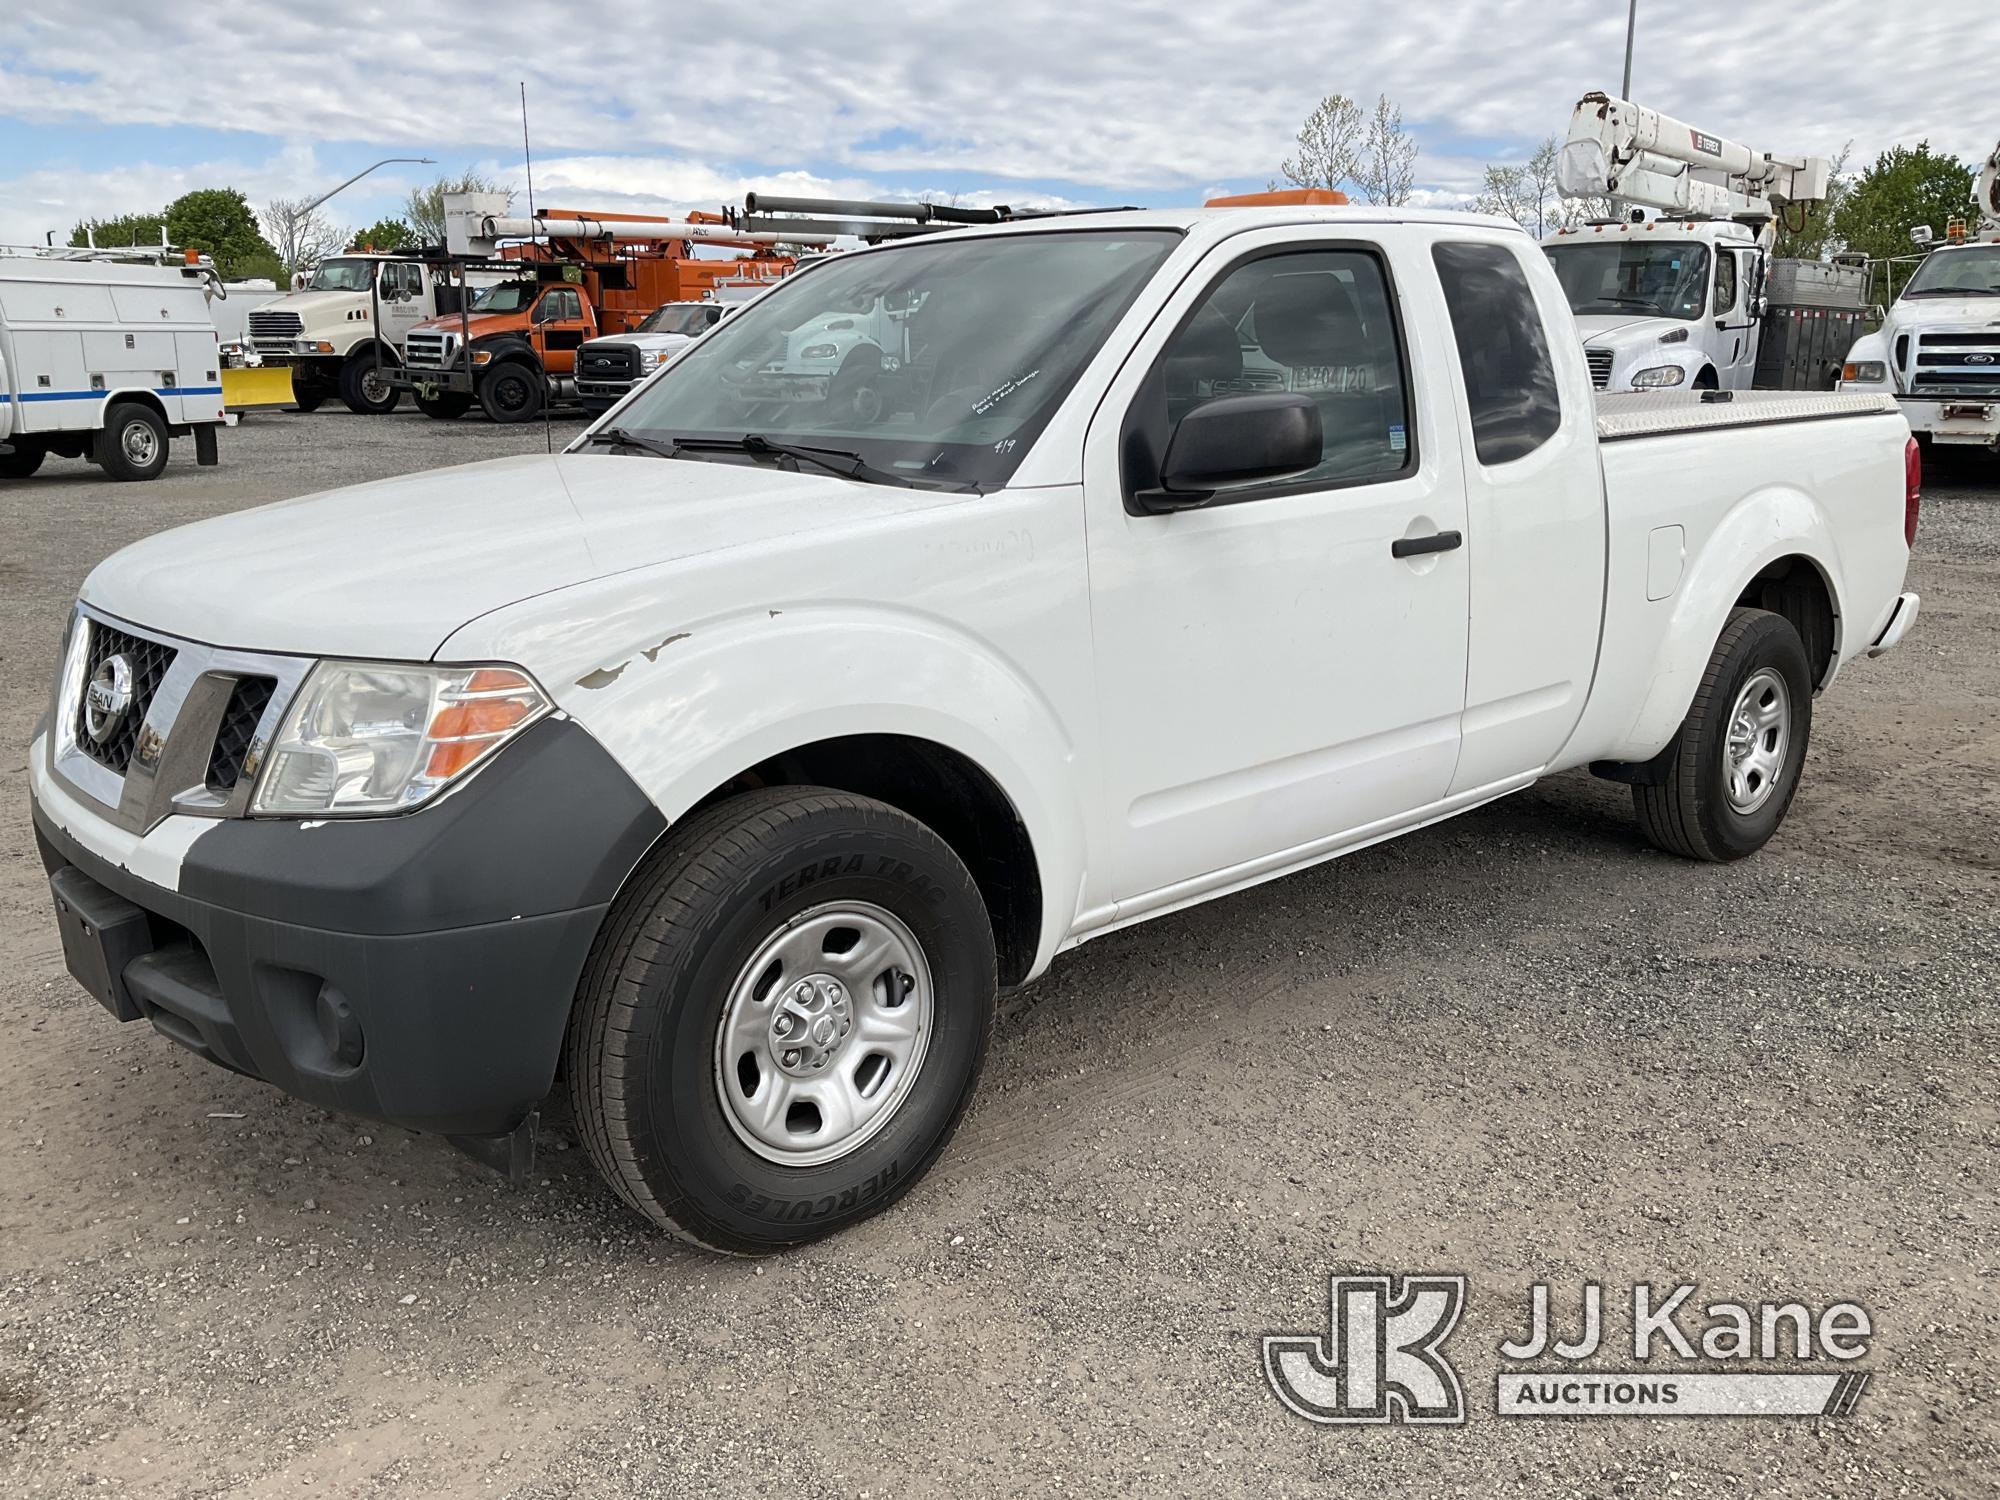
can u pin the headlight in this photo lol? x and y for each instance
(1659, 375)
(368, 737)
(1866, 371)
(819, 351)
(654, 356)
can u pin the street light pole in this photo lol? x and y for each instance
(1631, 24)
(428, 161)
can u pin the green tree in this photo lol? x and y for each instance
(423, 211)
(218, 222)
(1906, 186)
(385, 234)
(126, 229)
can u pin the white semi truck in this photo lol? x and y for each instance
(1683, 300)
(1938, 350)
(341, 332)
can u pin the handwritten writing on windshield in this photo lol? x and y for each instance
(985, 404)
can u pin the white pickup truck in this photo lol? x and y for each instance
(718, 769)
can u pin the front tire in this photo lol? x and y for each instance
(513, 392)
(22, 459)
(783, 1019)
(132, 444)
(1737, 759)
(448, 407)
(365, 386)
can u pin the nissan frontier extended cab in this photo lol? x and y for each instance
(717, 770)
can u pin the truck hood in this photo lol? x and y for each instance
(453, 322)
(1946, 314)
(389, 570)
(1621, 330)
(317, 307)
(646, 340)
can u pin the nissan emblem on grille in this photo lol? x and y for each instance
(108, 697)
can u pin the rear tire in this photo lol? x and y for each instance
(1737, 758)
(696, 1060)
(513, 392)
(132, 443)
(365, 388)
(21, 459)
(446, 408)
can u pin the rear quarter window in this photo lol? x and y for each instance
(1503, 350)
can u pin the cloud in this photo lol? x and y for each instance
(1096, 102)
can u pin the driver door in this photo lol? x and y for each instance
(1735, 325)
(400, 289)
(561, 326)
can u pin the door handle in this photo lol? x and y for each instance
(1417, 546)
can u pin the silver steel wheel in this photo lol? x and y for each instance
(1760, 734)
(374, 387)
(140, 443)
(824, 1033)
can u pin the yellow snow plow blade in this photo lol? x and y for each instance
(244, 390)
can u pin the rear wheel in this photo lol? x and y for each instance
(22, 459)
(1737, 759)
(365, 386)
(513, 392)
(448, 407)
(132, 443)
(783, 1019)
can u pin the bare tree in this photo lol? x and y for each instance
(302, 237)
(1507, 192)
(1530, 195)
(423, 211)
(1388, 169)
(1330, 145)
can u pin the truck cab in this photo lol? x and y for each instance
(608, 368)
(511, 350)
(327, 332)
(1938, 350)
(1666, 304)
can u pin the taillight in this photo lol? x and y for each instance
(1913, 483)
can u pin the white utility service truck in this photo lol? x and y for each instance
(108, 358)
(718, 769)
(1685, 299)
(1938, 349)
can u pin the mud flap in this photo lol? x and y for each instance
(204, 445)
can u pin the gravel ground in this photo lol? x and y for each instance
(1519, 1045)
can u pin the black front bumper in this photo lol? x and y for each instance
(417, 969)
(430, 382)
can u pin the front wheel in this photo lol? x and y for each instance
(22, 459)
(1737, 759)
(448, 407)
(782, 1020)
(513, 392)
(365, 387)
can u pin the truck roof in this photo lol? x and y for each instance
(1212, 223)
(1662, 229)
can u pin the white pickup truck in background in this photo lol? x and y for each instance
(719, 768)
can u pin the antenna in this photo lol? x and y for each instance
(528, 157)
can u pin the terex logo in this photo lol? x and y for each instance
(1379, 1360)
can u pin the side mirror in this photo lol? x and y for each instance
(1236, 440)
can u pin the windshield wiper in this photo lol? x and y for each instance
(842, 461)
(618, 437)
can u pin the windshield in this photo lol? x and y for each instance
(936, 361)
(342, 276)
(676, 318)
(1973, 272)
(507, 297)
(1664, 279)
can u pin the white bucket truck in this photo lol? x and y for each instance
(105, 359)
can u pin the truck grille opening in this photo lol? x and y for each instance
(275, 325)
(618, 362)
(432, 350)
(1956, 364)
(148, 662)
(247, 702)
(1599, 361)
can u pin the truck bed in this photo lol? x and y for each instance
(1637, 414)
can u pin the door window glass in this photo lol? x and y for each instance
(1503, 350)
(1725, 284)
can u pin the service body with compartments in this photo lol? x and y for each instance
(107, 360)
(718, 769)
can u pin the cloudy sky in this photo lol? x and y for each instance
(113, 107)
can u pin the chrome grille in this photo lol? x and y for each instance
(609, 362)
(1957, 364)
(147, 662)
(275, 325)
(1599, 361)
(431, 350)
(194, 731)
